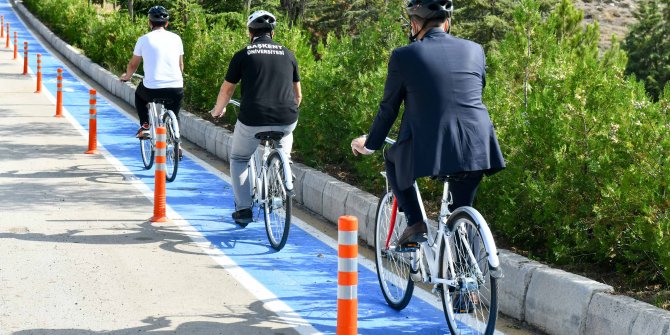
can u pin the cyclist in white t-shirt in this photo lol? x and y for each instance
(163, 55)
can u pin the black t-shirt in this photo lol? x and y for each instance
(268, 71)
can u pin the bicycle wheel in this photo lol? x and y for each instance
(393, 268)
(278, 203)
(472, 303)
(171, 150)
(148, 153)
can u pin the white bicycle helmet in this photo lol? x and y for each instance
(262, 20)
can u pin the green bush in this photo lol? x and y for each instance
(588, 174)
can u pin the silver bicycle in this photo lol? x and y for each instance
(271, 185)
(459, 259)
(159, 116)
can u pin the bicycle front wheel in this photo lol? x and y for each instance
(393, 267)
(172, 149)
(278, 203)
(471, 304)
(147, 151)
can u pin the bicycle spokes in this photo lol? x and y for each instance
(276, 203)
(470, 300)
(393, 268)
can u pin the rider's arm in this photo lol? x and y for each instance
(133, 64)
(394, 94)
(296, 80)
(298, 93)
(233, 76)
(181, 63)
(225, 93)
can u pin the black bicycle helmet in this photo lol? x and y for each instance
(158, 14)
(262, 20)
(430, 9)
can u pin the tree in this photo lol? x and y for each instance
(130, 10)
(294, 8)
(487, 21)
(648, 45)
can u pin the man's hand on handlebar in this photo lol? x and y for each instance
(214, 113)
(358, 146)
(126, 77)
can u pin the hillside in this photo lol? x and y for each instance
(614, 16)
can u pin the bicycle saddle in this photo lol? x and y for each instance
(451, 177)
(162, 101)
(270, 135)
(442, 179)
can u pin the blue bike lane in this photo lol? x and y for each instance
(303, 275)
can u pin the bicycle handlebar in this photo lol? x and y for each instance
(136, 76)
(234, 103)
(390, 141)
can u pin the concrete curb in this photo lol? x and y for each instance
(555, 301)
(558, 301)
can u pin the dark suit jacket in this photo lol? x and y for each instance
(445, 128)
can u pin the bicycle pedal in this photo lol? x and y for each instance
(408, 247)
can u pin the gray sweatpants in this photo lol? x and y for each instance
(244, 145)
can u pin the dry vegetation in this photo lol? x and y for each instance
(614, 16)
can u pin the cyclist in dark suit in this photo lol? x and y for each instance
(446, 129)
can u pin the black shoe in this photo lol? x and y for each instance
(243, 217)
(413, 235)
(143, 132)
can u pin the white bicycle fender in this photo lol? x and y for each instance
(489, 244)
(175, 124)
(288, 177)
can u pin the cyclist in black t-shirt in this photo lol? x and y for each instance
(271, 95)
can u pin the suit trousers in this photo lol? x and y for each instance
(462, 186)
(244, 146)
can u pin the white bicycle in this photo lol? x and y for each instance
(271, 183)
(159, 116)
(459, 259)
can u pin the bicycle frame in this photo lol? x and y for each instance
(258, 163)
(426, 260)
(257, 171)
(156, 113)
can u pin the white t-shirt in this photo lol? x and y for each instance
(160, 50)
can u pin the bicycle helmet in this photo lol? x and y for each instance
(430, 9)
(262, 20)
(158, 14)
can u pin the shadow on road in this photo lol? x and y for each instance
(252, 319)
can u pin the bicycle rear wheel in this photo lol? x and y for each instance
(393, 268)
(172, 149)
(472, 304)
(147, 151)
(278, 203)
